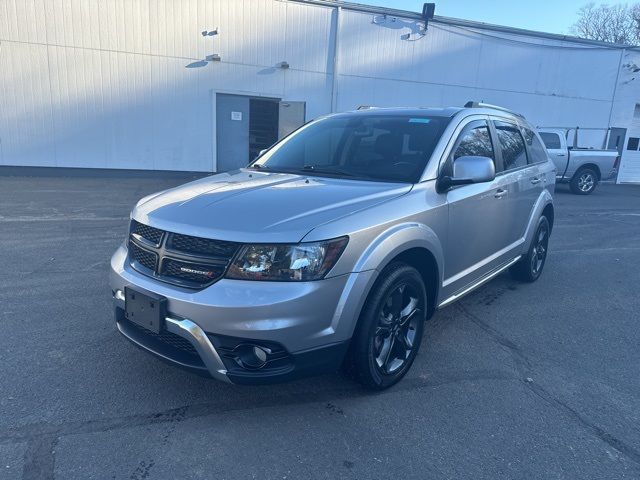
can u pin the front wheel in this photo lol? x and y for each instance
(584, 182)
(530, 266)
(390, 328)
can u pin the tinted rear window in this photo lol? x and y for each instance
(514, 153)
(536, 149)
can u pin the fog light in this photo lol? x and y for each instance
(251, 356)
(260, 354)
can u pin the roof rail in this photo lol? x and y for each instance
(472, 104)
(366, 107)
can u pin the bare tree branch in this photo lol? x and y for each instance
(619, 23)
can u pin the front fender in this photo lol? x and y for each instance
(392, 242)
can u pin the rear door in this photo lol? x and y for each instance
(521, 173)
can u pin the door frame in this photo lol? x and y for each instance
(214, 121)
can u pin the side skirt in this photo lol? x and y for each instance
(478, 283)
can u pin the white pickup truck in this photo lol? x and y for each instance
(581, 168)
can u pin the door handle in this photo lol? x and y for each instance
(500, 193)
(560, 154)
(535, 180)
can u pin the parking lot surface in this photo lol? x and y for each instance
(514, 381)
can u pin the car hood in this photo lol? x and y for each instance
(251, 206)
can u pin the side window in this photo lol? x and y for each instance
(551, 140)
(633, 143)
(514, 153)
(475, 140)
(536, 149)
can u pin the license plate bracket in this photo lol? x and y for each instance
(144, 309)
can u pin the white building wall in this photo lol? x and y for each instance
(126, 84)
(551, 82)
(623, 114)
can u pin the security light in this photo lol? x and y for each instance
(428, 11)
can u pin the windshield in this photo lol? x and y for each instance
(392, 148)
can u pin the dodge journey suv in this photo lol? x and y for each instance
(335, 245)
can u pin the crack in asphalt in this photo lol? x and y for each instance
(525, 369)
(30, 432)
(39, 458)
(41, 438)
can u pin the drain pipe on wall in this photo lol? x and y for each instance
(336, 63)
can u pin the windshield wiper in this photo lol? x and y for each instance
(328, 171)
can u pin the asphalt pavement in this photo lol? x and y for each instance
(515, 381)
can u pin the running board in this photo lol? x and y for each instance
(482, 281)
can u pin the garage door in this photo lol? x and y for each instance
(629, 167)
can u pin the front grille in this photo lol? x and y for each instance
(203, 246)
(184, 260)
(142, 257)
(152, 234)
(167, 338)
(191, 272)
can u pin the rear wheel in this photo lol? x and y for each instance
(390, 328)
(584, 181)
(529, 268)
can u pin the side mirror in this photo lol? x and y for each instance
(469, 169)
(262, 152)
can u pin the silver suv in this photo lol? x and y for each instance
(335, 245)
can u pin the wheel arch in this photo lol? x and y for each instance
(593, 166)
(414, 244)
(543, 205)
(549, 212)
(425, 263)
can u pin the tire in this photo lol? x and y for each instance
(584, 182)
(390, 328)
(530, 267)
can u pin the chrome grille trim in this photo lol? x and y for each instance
(170, 261)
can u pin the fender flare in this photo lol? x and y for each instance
(397, 239)
(543, 201)
(394, 241)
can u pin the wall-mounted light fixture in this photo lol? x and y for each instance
(284, 65)
(210, 33)
(428, 12)
(214, 58)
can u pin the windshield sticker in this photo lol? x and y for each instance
(419, 120)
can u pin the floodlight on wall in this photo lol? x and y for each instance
(283, 65)
(428, 11)
(214, 58)
(210, 33)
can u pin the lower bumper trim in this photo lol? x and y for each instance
(186, 329)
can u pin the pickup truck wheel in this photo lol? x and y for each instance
(390, 328)
(529, 268)
(584, 181)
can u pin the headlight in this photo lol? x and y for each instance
(299, 262)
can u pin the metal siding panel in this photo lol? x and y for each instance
(26, 123)
(310, 87)
(124, 109)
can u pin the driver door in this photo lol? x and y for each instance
(478, 213)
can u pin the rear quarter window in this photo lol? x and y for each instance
(537, 151)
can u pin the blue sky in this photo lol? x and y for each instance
(554, 16)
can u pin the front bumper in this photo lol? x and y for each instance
(306, 325)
